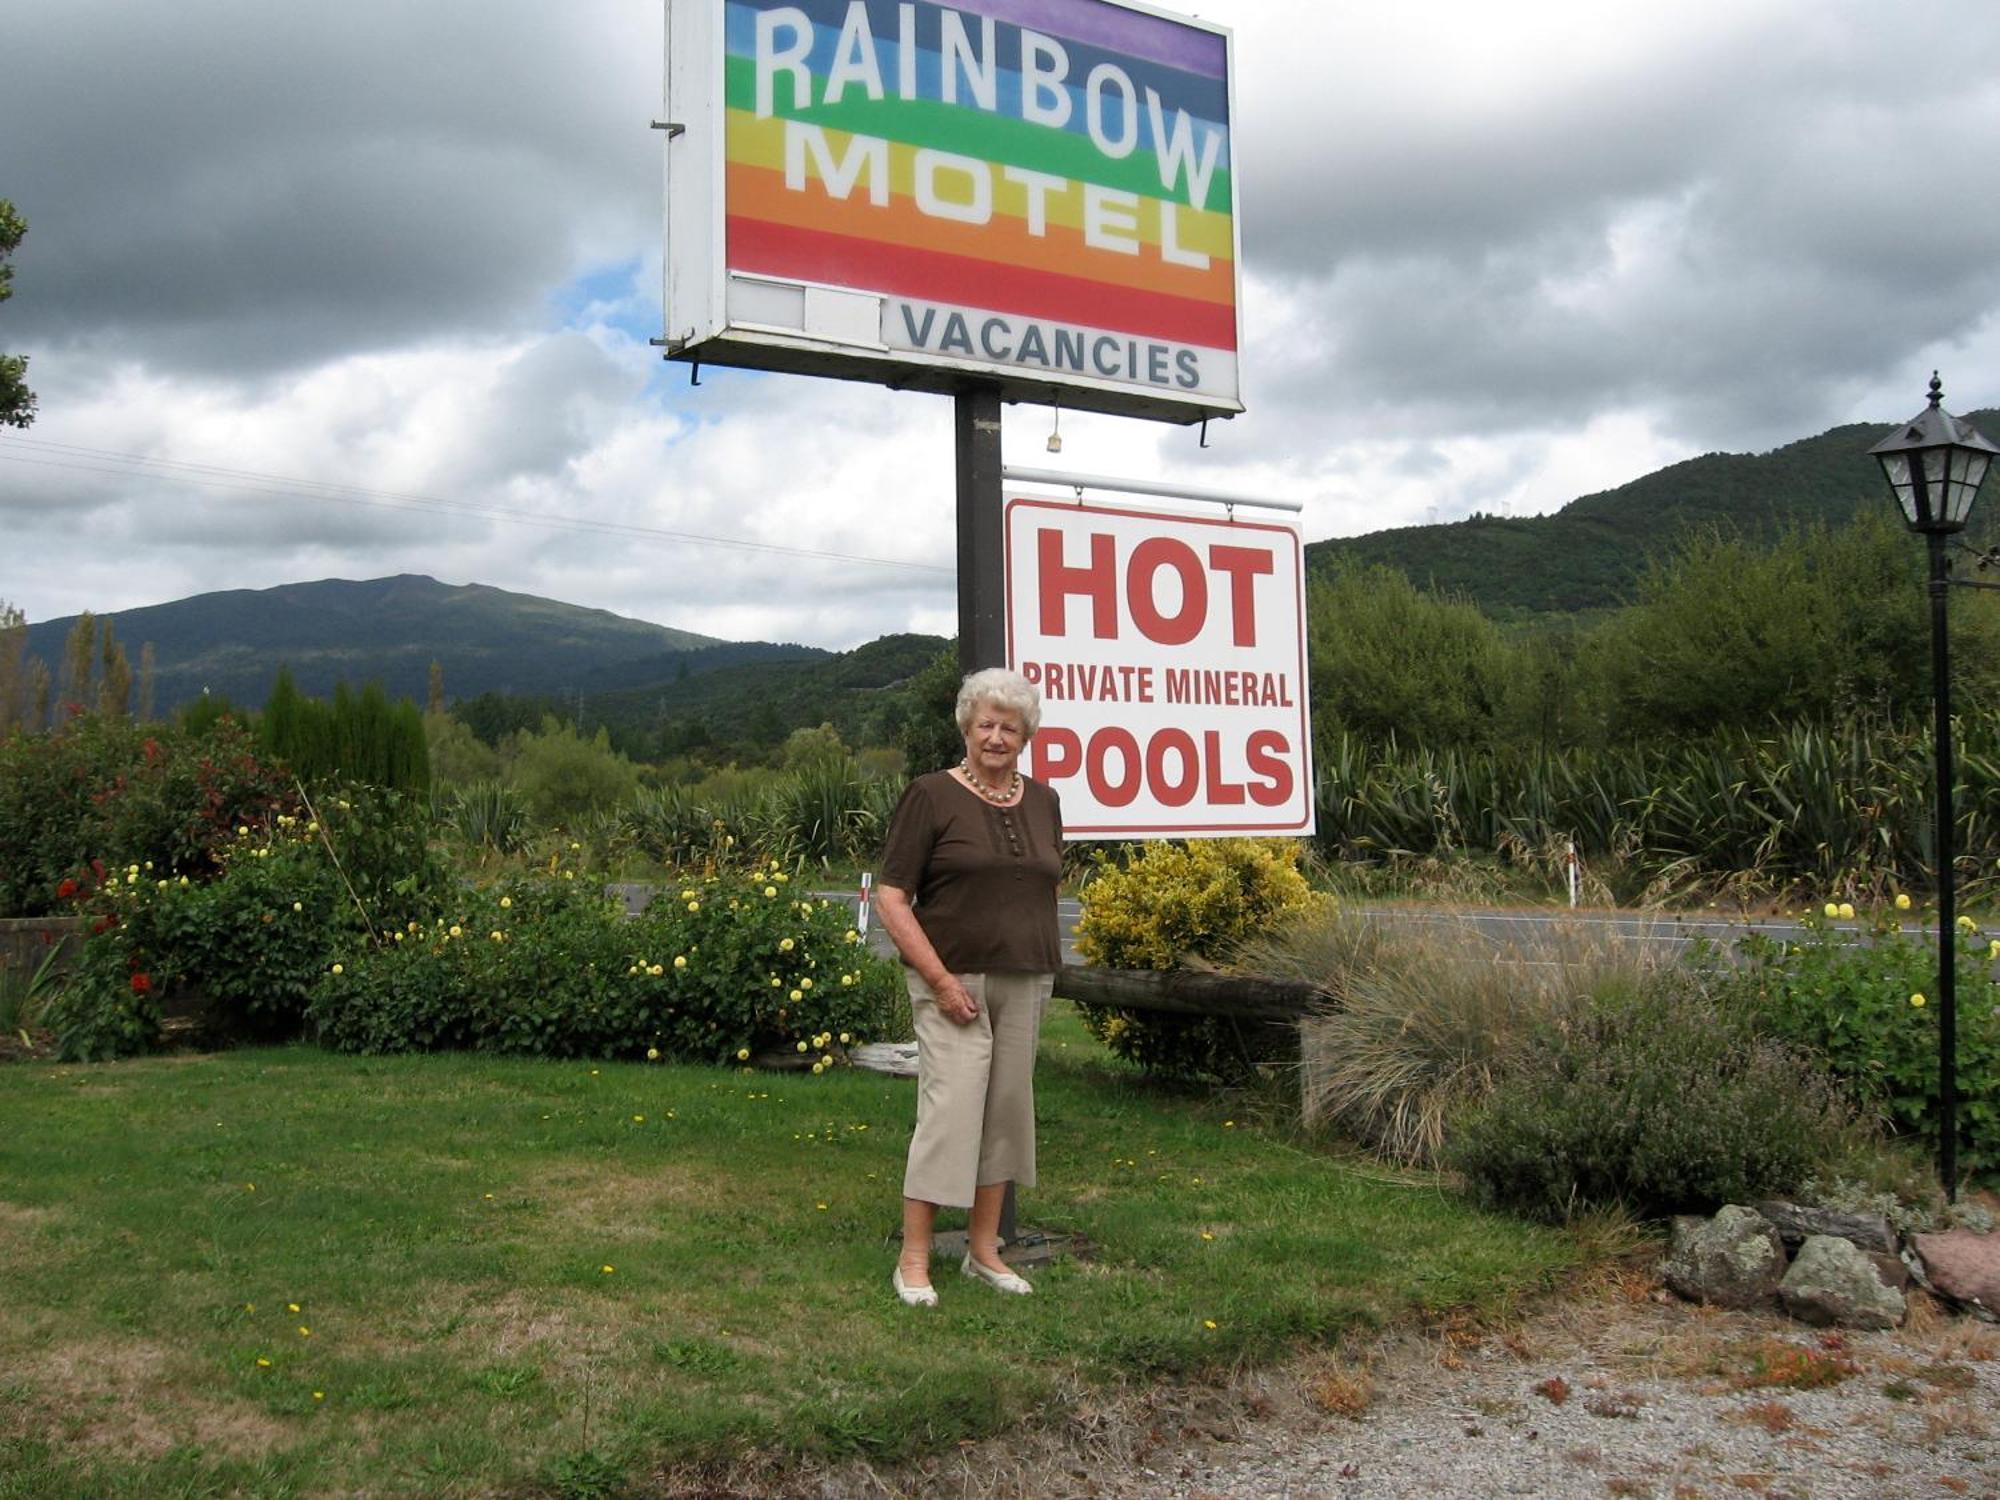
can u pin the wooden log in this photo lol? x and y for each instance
(1191, 993)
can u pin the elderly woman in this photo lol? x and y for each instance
(968, 895)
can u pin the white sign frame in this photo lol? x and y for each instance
(1175, 724)
(722, 314)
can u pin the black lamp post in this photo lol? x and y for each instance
(1935, 464)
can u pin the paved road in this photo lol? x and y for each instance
(1522, 932)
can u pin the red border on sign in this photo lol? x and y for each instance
(1072, 507)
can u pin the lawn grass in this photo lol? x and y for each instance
(515, 1277)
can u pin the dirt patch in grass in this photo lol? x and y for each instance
(620, 1205)
(130, 1399)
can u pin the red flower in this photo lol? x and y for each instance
(141, 984)
(66, 890)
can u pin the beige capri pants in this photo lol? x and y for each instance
(975, 1088)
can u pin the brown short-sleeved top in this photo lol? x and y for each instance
(982, 879)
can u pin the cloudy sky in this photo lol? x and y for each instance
(343, 291)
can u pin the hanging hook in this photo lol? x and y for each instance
(1204, 432)
(694, 372)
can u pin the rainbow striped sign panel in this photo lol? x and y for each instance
(1039, 192)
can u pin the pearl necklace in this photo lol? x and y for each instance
(998, 799)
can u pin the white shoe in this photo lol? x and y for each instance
(1000, 1281)
(912, 1296)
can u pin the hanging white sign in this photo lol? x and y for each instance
(1170, 651)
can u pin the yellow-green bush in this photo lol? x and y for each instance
(1200, 902)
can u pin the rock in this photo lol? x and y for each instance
(1733, 1260)
(1795, 1223)
(1962, 1267)
(1834, 1282)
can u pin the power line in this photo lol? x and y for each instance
(85, 460)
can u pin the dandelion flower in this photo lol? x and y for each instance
(1209, 1324)
(293, 1307)
(606, 1270)
(263, 1363)
(498, 936)
(820, 1206)
(1917, 1000)
(319, 1395)
(638, 1119)
(1902, 901)
(657, 970)
(1206, 1235)
(305, 1332)
(818, 1068)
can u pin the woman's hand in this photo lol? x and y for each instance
(955, 1002)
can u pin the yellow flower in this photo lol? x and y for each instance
(1966, 924)
(263, 1363)
(305, 1332)
(798, 994)
(1847, 911)
(569, 874)
(1209, 1324)
(506, 902)
(241, 830)
(338, 969)
(1993, 949)
(1832, 911)
(820, 1206)
(680, 961)
(770, 890)
(1206, 1235)
(818, 1068)
(296, 905)
(657, 970)
(319, 1395)
(802, 1046)
(498, 936)
(1902, 901)
(638, 1119)
(781, 877)
(606, 1270)
(845, 1039)
(806, 983)
(399, 936)
(652, 1054)
(785, 945)
(694, 906)
(743, 1054)
(456, 930)
(1228, 1124)
(1917, 1000)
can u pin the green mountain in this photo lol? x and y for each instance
(384, 629)
(1589, 555)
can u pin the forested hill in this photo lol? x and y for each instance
(386, 630)
(1590, 554)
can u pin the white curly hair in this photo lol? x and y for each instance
(1004, 689)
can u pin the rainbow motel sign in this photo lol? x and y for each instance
(1170, 653)
(1033, 193)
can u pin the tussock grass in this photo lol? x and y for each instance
(443, 1225)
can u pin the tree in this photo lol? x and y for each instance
(434, 700)
(1389, 658)
(146, 666)
(79, 664)
(114, 684)
(17, 402)
(13, 668)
